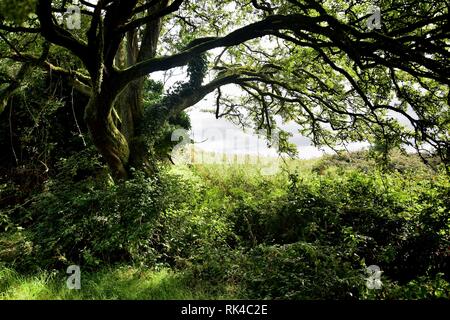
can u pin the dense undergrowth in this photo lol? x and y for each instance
(214, 231)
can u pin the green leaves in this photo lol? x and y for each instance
(16, 11)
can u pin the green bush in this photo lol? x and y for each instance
(398, 221)
(300, 271)
(293, 271)
(90, 221)
(194, 219)
(288, 236)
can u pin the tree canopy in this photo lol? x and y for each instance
(322, 64)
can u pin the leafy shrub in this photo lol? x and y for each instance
(194, 220)
(91, 221)
(426, 287)
(288, 236)
(364, 218)
(365, 161)
(300, 271)
(294, 271)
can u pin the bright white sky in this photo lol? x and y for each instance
(223, 136)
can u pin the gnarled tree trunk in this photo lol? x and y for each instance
(116, 134)
(107, 138)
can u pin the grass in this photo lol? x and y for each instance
(120, 283)
(252, 163)
(215, 204)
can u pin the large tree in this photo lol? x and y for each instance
(328, 65)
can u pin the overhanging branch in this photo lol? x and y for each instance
(252, 31)
(57, 35)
